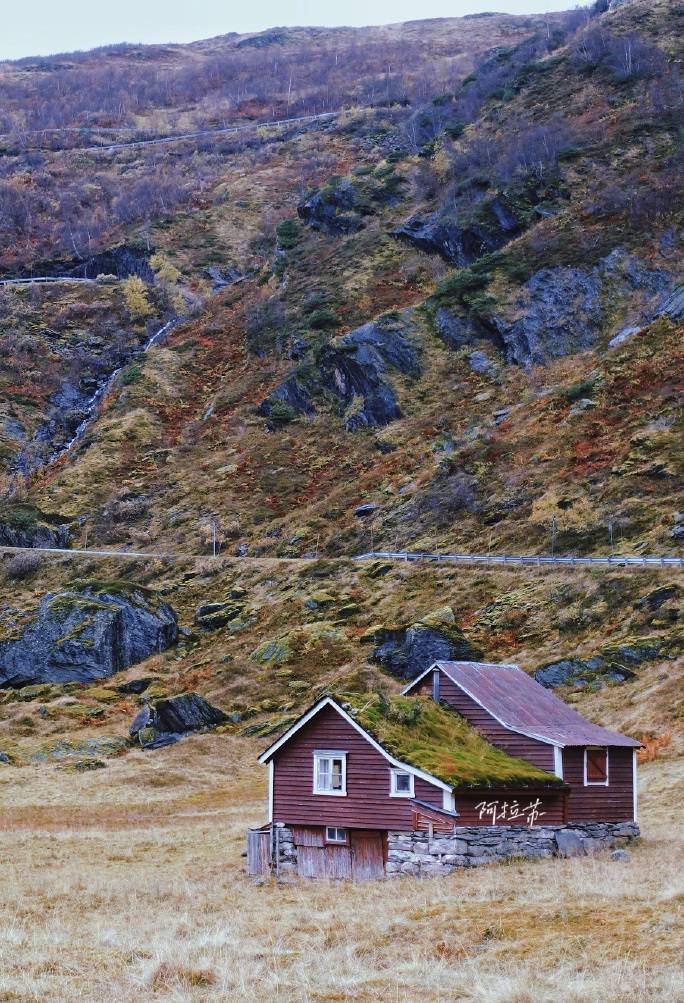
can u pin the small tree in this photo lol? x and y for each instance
(165, 270)
(135, 295)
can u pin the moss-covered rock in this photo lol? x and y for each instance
(322, 639)
(88, 633)
(211, 616)
(320, 600)
(406, 652)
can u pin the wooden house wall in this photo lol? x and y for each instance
(367, 804)
(529, 749)
(552, 805)
(599, 803)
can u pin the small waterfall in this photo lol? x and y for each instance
(92, 407)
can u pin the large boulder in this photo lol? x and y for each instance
(352, 372)
(165, 721)
(406, 652)
(86, 634)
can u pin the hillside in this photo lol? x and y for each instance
(447, 317)
(441, 326)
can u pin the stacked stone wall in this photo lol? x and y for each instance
(419, 854)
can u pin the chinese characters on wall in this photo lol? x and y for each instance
(503, 812)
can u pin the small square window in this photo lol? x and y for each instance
(401, 784)
(596, 766)
(333, 834)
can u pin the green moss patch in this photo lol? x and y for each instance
(426, 735)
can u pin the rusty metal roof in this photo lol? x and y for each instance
(521, 704)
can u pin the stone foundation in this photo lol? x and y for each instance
(418, 854)
(421, 855)
(287, 864)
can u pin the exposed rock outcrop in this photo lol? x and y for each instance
(352, 372)
(613, 663)
(333, 209)
(25, 526)
(559, 311)
(673, 307)
(461, 245)
(594, 672)
(122, 261)
(406, 652)
(213, 615)
(87, 633)
(165, 721)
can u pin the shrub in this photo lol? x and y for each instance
(131, 375)
(135, 295)
(464, 281)
(288, 233)
(282, 413)
(23, 565)
(322, 319)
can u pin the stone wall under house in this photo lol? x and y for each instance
(422, 855)
(419, 854)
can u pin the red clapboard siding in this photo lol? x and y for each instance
(538, 753)
(367, 804)
(551, 806)
(613, 803)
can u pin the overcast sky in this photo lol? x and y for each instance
(42, 27)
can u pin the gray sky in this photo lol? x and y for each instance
(42, 27)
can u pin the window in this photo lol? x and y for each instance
(401, 784)
(330, 773)
(333, 834)
(596, 766)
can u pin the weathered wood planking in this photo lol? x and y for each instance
(367, 804)
(598, 803)
(258, 851)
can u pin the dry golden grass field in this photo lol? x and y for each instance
(128, 883)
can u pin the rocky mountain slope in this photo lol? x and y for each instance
(449, 317)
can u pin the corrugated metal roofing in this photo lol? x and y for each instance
(520, 703)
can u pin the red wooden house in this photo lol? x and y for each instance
(466, 746)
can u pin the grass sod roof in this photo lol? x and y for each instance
(425, 734)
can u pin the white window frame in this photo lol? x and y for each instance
(597, 783)
(337, 842)
(320, 754)
(394, 793)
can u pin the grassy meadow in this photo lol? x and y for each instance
(128, 882)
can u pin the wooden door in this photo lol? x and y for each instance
(367, 855)
(258, 851)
